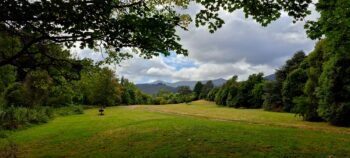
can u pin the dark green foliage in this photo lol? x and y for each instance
(293, 87)
(207, 87)
(264, 12)
(304, 107)
(14, 95)
(307, 105)
(7, 76)
(272, 96)
(198, 89)
(16, 117)
(257, 99)
(245, 95)
(184, 90)
(334, 89)
(36, 87)
(129, 92)
(290, 65)
(185, 93)
(225, 93)
(108, 23)
(69, 110)
(212, 93)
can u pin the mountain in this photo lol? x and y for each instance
(155, 88)
(191, 84)
(271, 77)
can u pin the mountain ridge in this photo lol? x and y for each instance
(155, 86)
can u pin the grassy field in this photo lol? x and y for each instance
(200, 129)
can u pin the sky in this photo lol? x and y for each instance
(241, 47)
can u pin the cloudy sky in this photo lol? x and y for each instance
(241, 47)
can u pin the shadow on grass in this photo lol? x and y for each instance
(10, 150)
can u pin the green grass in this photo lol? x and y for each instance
(200, 129)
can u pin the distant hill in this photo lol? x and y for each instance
(155, 88)
(191, 84)
(271, 77)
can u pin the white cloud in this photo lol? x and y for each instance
(241, 47)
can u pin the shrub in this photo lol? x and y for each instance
(14, 95)
(304, 108)
(16, 117)
(69, 110)
(59, 101)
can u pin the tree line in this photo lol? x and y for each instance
(312, 86)
(37, 94)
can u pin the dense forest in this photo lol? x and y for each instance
(302, 86)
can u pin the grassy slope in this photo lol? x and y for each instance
(139, 132)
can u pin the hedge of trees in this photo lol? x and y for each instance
(312, 86)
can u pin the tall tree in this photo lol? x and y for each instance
(226, 94)
(198, 89)
(307, 105)
(334, 80)
(293, 87)
(245, 96)
(273, 97)
(207, 87)
(185, 93)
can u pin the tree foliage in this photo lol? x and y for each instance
(198, 89)
(112, 24)
(207, 87)
(293, 87)
(246, 94)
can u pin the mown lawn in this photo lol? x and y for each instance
(200, 129)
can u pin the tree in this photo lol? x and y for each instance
(198, 89)
(281, 75)
(185, 92)
(263, 12)
(245, 96)
(212, 93)
(53, 58)
(257, 99)
(129, 90)
(272, 96)
(107, 89)
(226, 94)
(307, 105)
(206, 89)
(7, 77)
(334, 80)
(334, 104)
(293, 87)
(31, 92)
(112, 24)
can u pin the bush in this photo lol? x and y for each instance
(16, 117)
(14, 95)
(304, 108)
(59, 101)
(272, 96)
(69, 110)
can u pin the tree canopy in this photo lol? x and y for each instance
(147, 26)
